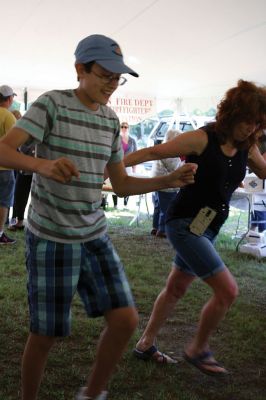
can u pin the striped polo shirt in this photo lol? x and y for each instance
(61, 126)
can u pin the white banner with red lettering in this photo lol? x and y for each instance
(133, 109)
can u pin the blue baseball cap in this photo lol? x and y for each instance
(105, 52)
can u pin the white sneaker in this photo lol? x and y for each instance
(81, 395)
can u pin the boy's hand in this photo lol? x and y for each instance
(183, 176)
(60, 170)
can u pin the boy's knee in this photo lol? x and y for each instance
(44, 343)
(125, 320)
(130, 322)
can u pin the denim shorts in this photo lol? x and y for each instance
(57, 270)
(195, 255)
(7, 188)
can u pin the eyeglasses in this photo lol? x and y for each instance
(120, 80)
(124, 126)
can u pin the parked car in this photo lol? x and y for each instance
(183, 123)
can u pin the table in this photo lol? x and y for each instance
(251, 199)
(107, 189)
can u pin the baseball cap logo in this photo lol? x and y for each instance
(116, 49)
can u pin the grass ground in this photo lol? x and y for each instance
(239, 342)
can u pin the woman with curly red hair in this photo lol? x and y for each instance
(222, 150)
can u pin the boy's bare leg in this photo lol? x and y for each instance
(33, 363)
(121, 323)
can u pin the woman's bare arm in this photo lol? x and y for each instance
(193, 142)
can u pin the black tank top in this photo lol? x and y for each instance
(216, 179)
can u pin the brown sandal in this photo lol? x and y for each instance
(153, 354)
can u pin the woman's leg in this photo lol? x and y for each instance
(176, 286)
(225, 291)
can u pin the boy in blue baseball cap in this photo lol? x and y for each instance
(105, 52)
(68, 250)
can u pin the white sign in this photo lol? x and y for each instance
(133, 109)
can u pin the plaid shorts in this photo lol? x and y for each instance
(57, 270)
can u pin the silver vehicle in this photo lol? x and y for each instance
(182, 123)
(160, 126)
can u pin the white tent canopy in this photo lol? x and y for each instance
(181, 49)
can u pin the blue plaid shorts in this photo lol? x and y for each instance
(57, 270)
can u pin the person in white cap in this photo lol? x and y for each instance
(68, 250)
(7, 179)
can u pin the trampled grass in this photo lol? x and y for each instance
(239, 342)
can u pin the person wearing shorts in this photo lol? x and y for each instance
(7, 179)
(222, 150)
(195, 255)
(67, 246)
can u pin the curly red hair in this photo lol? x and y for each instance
(244, 103)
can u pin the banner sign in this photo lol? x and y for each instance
(133, 109)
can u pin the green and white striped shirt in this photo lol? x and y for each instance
(62, 126)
